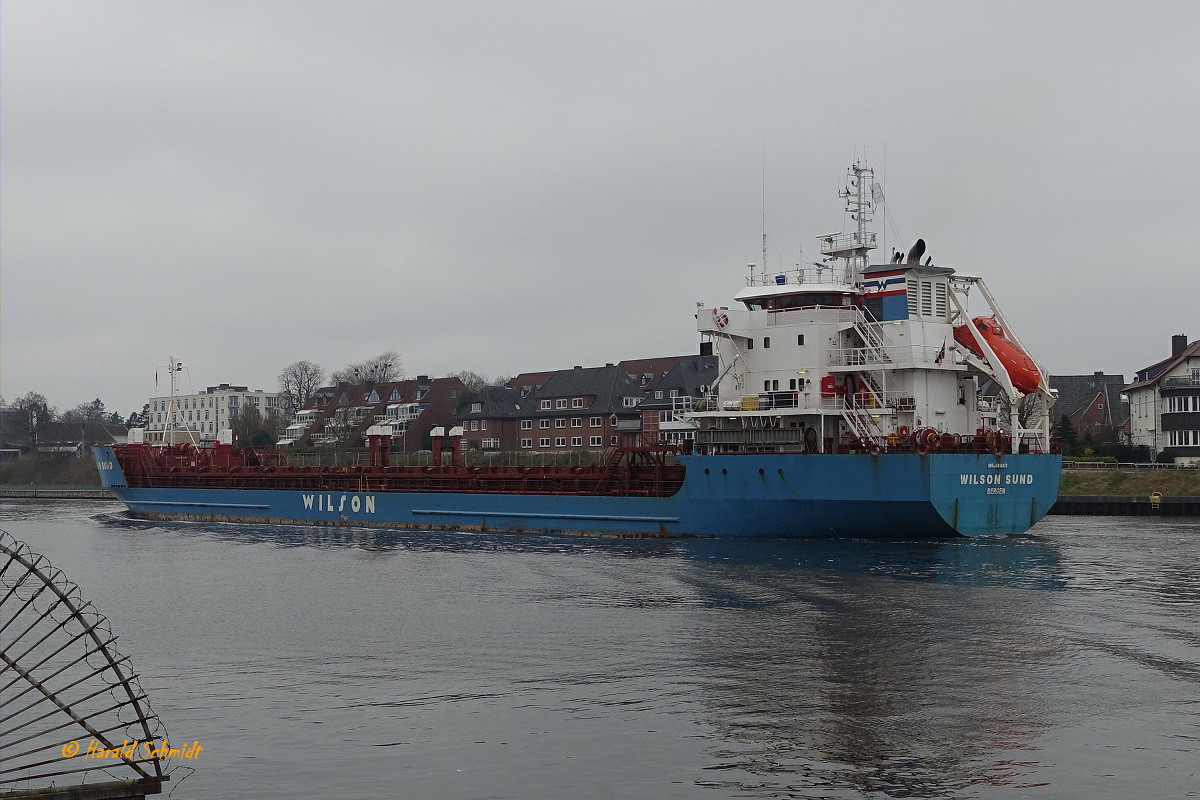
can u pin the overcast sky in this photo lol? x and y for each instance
(513, 186)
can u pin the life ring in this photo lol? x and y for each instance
(719, 317)
(902, 430)
(876, 450)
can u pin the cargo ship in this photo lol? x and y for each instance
(851, 399)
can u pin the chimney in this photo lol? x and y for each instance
(1179, 343)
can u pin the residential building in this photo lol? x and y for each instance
(673, 395)
(205, 414)
(1094, 404)
(490, 418)
(579, 409)
(1164, 403)
(341, 413)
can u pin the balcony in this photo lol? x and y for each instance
(1183, 382)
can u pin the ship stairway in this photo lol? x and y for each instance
(874, 347)
(873, 390)
(862, 424)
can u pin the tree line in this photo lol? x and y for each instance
(298, 383)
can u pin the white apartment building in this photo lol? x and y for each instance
(1164, 404)
(205, 414)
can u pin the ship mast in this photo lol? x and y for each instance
(855, 247)
(174, 367)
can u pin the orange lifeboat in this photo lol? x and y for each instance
(1021, 369)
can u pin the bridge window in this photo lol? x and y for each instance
(766, 341)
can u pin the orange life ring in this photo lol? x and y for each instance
(720, 318)
(902, 430)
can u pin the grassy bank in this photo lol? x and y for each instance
(1108, 482)
(41, 471)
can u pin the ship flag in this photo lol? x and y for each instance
(941, 353)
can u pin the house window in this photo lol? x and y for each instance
(474, 424)
(527, 443)
(576, 441)
(526, 424)
(800, 339)
(560, 423)
(766, 341)
(476, 408)
(560, 441)
(543, 423)
(613, 441)
(560, 403)
(577, 402)
(658, 395)
(631, 402)
(491, 444)
(664, 416)
(596, 422)
(576, 422)
(545, 405)
(596, 441)
(674, 393)
(543, 442)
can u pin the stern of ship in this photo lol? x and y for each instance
(994, 495)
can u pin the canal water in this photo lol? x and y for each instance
(317, 663)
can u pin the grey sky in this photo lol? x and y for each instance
(515, 186)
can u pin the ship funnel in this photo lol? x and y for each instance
(918, 250)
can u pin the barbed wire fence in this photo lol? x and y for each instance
(73, 711)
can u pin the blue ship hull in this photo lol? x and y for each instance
(769, 495)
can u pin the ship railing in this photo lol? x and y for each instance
(796, 276)
(791, 316)
(1123, 465)
(858, 357)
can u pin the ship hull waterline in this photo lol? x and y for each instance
(899, 495)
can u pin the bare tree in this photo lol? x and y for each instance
(85, 412)
(383, 367)
(298, 382)
(473, 381)
(33, 414)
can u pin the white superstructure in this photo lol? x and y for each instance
(848, 355)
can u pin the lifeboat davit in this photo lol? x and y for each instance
(1021, 369)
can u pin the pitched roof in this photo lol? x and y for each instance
(496, 402)
(647, 372)
(1076, 392)
(1155, 371)
(527, 381)
(686, 377)
(608, 385)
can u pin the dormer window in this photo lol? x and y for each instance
(476, 408)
